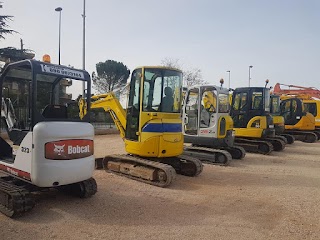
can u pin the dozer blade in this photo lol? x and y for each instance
(209, 155)
(151, 172)
(254, 145)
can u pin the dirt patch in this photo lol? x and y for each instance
(259, 197)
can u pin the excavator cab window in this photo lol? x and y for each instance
(192, 111)
(223, 103)
(257, 103)
(292, 110)
(311, 108)
(240, 101)
(162, 91)
(239, 106)
(275, 104)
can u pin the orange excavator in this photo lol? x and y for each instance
(309, 96)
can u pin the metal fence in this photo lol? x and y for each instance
(96, 125)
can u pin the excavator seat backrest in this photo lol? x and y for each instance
(55, 111)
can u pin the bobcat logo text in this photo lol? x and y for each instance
(69, 149)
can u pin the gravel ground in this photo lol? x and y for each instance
(260, 197)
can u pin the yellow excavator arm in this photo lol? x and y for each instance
(109, 103)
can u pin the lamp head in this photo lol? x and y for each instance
(221, 81)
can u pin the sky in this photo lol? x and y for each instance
(279, 38)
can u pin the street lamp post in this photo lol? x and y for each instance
(84, 45)
(59, 9)
(229, 77)
(249, 74)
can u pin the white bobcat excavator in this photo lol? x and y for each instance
(49, 145)
(207, 125)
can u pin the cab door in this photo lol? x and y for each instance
(239, 109)
(191, 111)
(133, 109)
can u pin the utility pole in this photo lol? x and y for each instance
(21, 44)
(249, 74)
(84, 46)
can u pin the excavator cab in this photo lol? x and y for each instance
(206, 113)
(207, 125)
(48, 145)
(292, 110)
(250, 111)
(298, 121)
(253, 123)
(153, 127)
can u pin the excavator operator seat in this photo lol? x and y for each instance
(167, 101)
(55, 111)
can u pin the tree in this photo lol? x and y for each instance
(110, 75)
(3, 25)
(191, 77)
(11, 54)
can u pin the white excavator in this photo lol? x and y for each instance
(48, 145)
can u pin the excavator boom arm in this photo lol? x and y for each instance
(299, 91)
(111, 104)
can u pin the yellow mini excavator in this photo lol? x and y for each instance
(253, 124)
(310, 98)
(298, 122)
(151, 128)
(207, 125)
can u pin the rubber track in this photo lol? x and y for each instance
(236, 148)
(290, 138)
(302, 135)
(16, 199)
(276, 142)
(282, 138)
(252, 146)
(167, 169)
(196, 162)
(88, 188)
(199, 151)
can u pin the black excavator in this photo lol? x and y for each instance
(253, 124)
